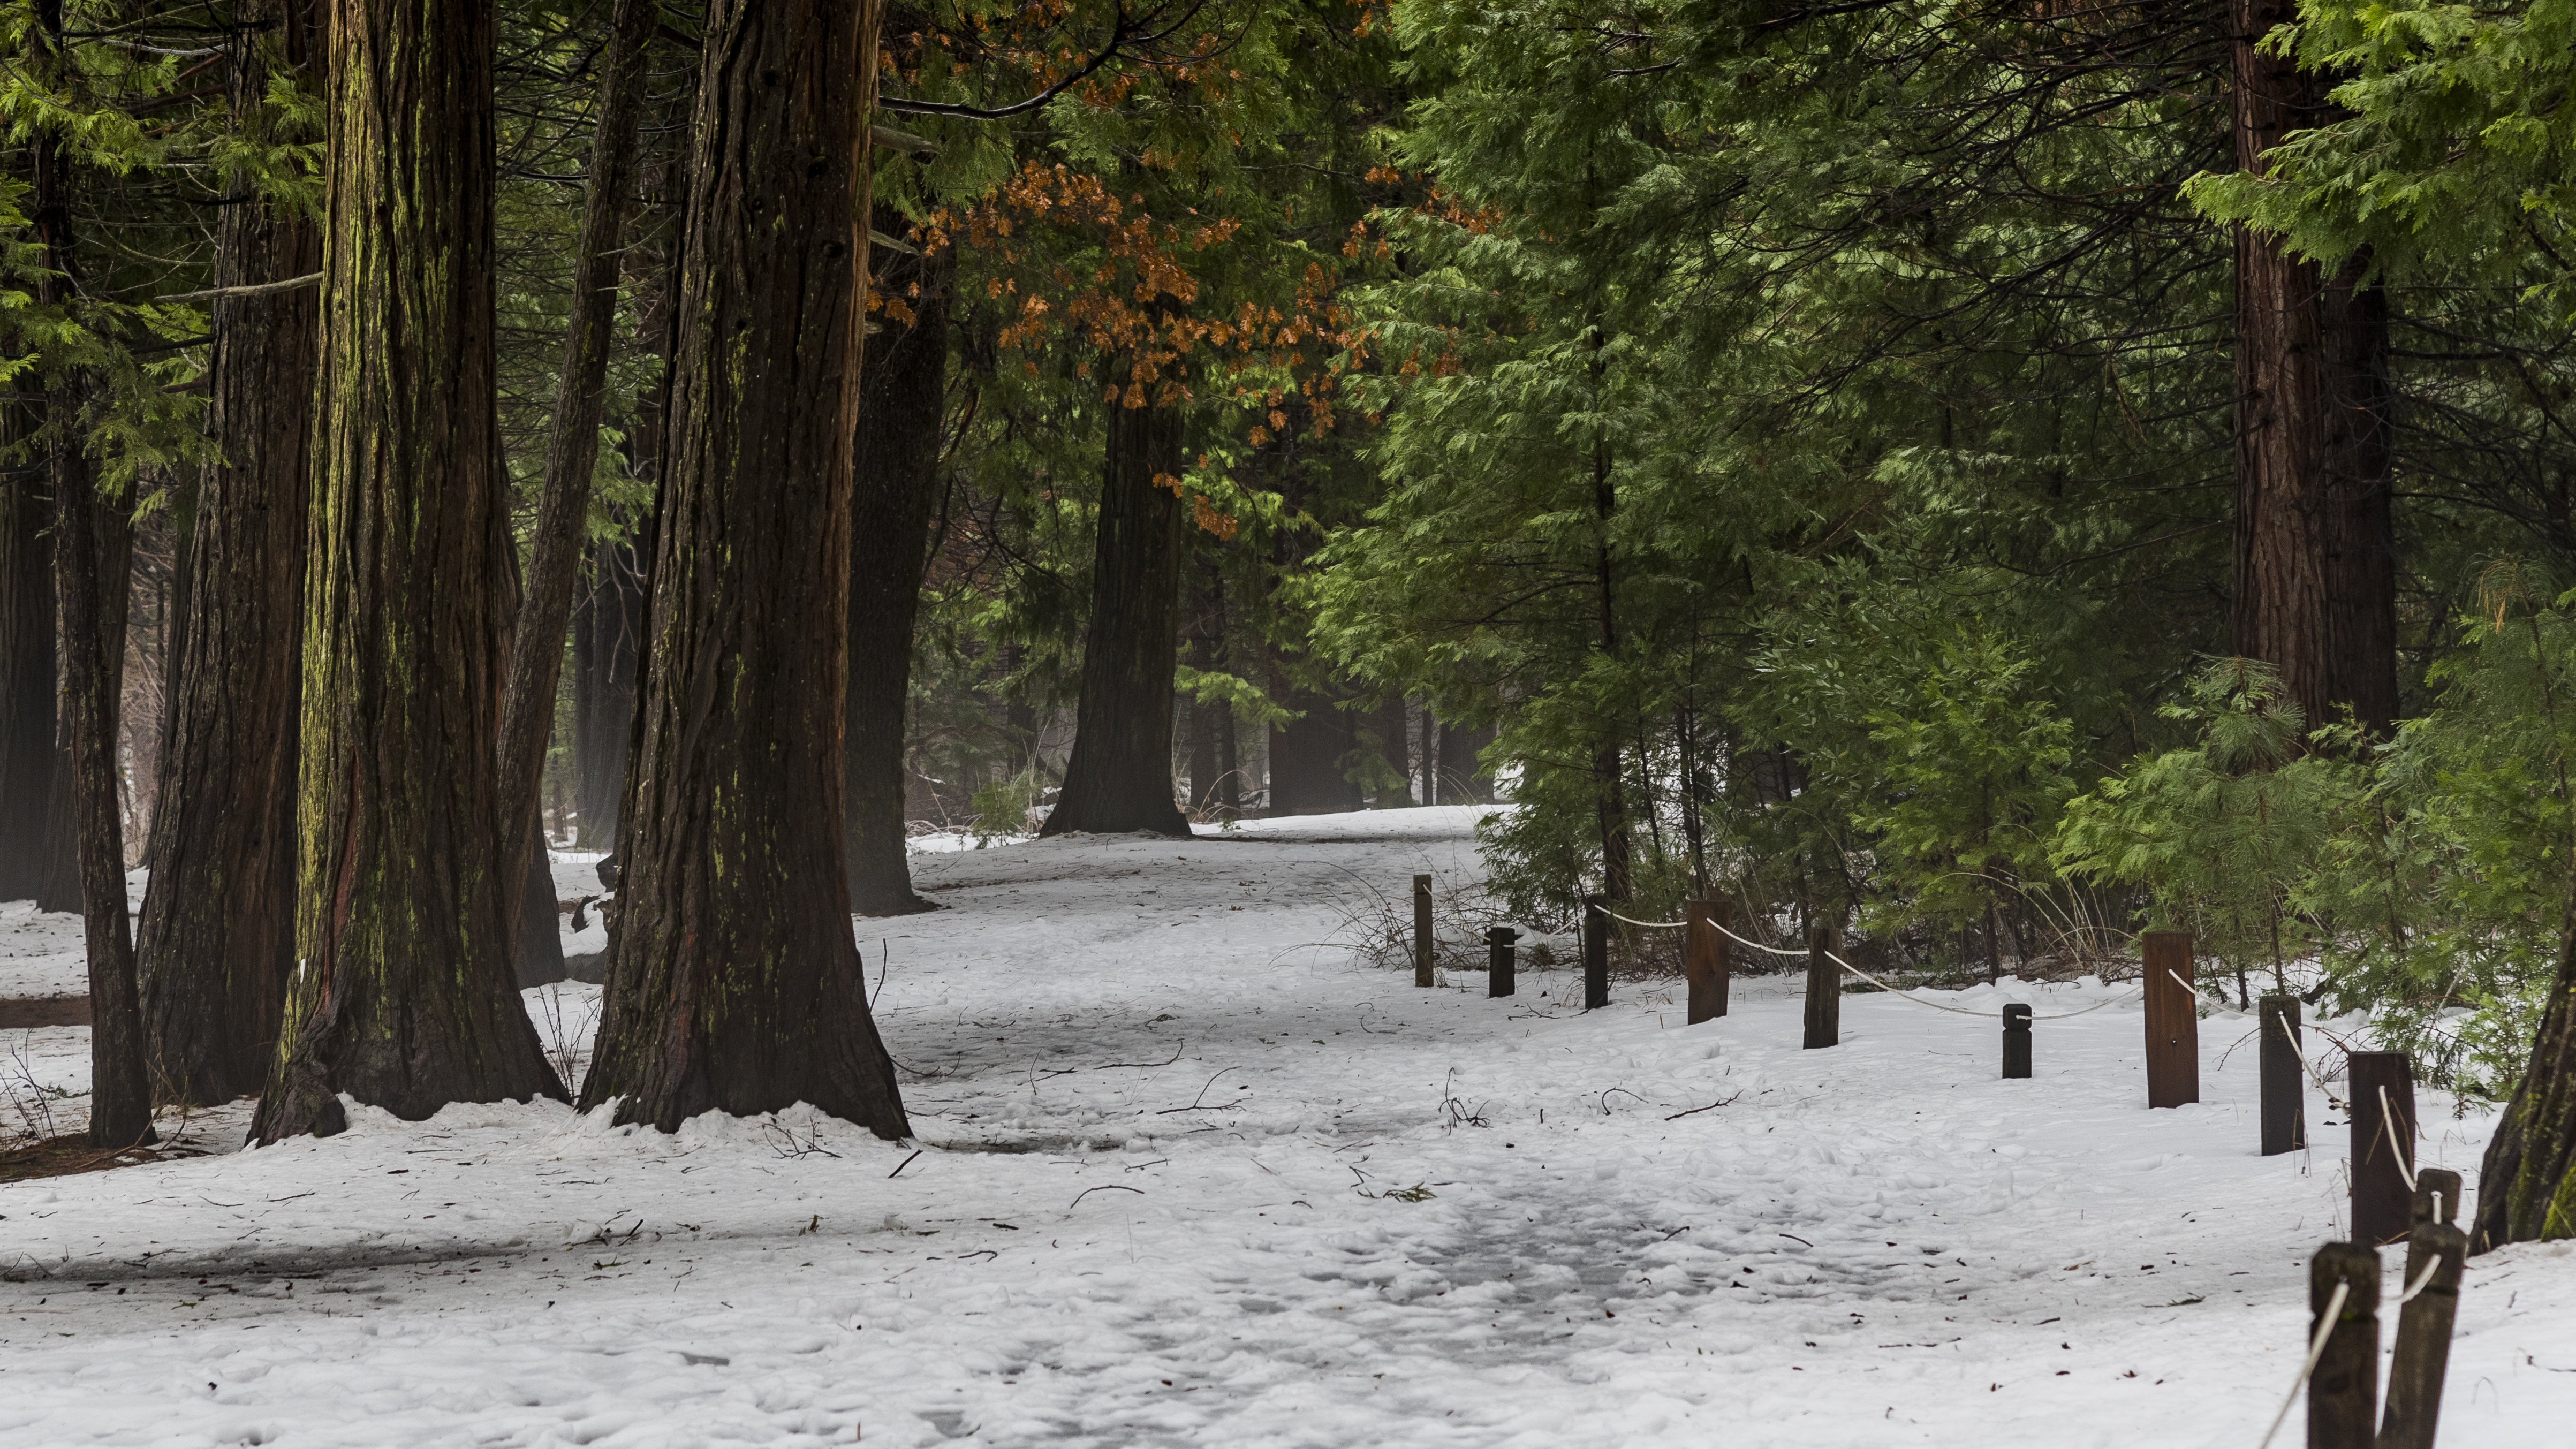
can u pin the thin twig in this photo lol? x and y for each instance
(1104, 1187)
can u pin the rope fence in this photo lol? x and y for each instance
(1863, 975)
(2336, 1407)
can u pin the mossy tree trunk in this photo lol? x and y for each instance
(2527, 1183)
(733, 979)
(902, 396)
(218, 930)
(1120, 776)
(403, 996)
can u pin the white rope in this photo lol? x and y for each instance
(2336, 1102)
(2388, 1125)
(1649, 925)
(2420, 1280)
(2316, 1350)
(2096, 1006)
(1917, 1000)
(1756, 945)
(1892, 991)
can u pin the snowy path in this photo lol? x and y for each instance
(1181, 1184)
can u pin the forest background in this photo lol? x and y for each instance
(1988, 476)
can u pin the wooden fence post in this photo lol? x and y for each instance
(1704, 959)
(2285, 1096)
(2437, 1198)
(2173, 1020)
(2423, 1353)
(1596, 953)
(1422, 930)
(2016, 1039)
(1824, 989)
(2383, 1146)
(2343, 1393)
(1500, 961)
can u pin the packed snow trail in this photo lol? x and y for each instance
(1185, 1178)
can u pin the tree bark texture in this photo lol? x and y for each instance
(218, 932)
(1120, 776)
(572, 448)
(92, 561)
(92, 555)
(2527, 1182)
(58, 880)
(733, 979)
(2315, 562)
(29, 761)
(902, 398)
(403, 994)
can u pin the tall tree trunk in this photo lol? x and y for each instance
(1206, 645)
(1392, 768)
(92, 561)
(563, 508)
(92, 554)
(1611, 803)
(734, 981)
(2527, 1183)
(1462, 777)
(58, 885)
(611, 615)
(607, 662)
(28, 759)
(903, 393)
(2315, 569)
(403, 994)
(218, 929)
(1427, 756)
(1306, 754)
(1229, 764)
(1120, 776)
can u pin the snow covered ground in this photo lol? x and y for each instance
(1183, 1177)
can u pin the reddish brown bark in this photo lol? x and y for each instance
(2315, 565)
(734, 980)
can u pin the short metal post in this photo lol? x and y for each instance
(1500, 960)
(2016, 1039)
